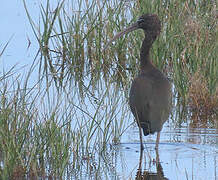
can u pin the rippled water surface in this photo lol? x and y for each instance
(184, 153)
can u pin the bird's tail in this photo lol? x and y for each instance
(146, 128)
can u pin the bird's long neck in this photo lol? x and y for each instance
(145, 51)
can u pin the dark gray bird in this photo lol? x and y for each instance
(150, 94)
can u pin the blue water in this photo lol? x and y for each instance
(185, 153)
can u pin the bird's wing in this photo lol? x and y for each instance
(140, 96)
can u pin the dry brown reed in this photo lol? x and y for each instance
(202, 103)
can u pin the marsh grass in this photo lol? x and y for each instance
(67, 122)
(72, 36)
(44, 132)
(47, 134)
(202, 104)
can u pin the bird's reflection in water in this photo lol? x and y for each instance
(147, 175)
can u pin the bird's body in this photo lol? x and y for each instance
(150, 94)
(150, 99)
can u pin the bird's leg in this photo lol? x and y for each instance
(140, 132)
(157, 140)
(140, 159)
(140, 136)
(157, 156)
(139, 174)
(159, 168)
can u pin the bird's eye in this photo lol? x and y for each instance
(140, 20)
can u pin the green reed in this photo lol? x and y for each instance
(44, 132)
(48, 131)
(72, 42)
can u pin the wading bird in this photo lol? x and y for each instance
(150, 94)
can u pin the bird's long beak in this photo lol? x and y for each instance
(125, 31)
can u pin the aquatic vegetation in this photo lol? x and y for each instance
(202, 104)
(71, 43)
(69, 123)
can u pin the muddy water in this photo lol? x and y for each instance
(184, 153)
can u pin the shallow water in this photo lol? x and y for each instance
(184, 154)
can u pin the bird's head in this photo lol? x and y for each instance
(150, 23)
